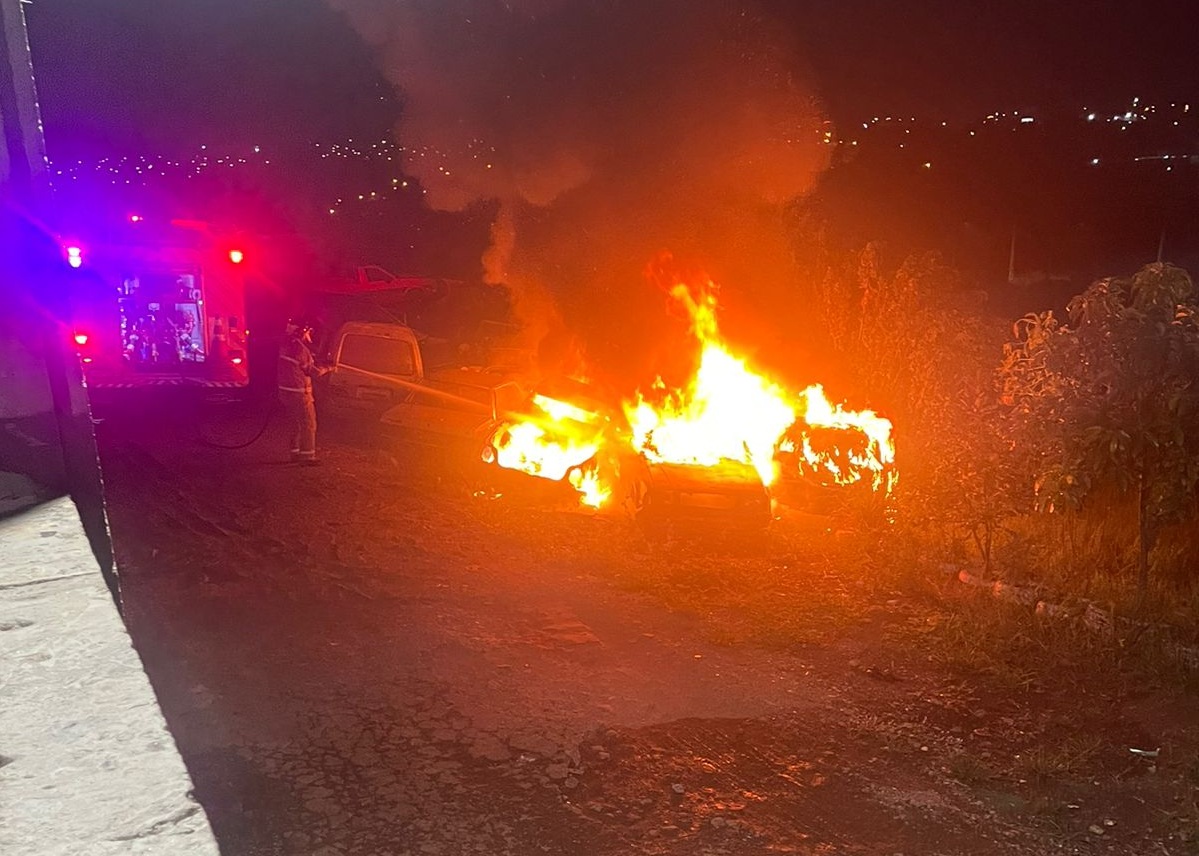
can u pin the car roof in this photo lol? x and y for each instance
(378, 328)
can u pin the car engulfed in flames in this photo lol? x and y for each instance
(557, 440)
(713, 446)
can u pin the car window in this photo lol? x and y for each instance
(462, 396)
(377, 355)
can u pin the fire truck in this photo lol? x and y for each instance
(159, 304)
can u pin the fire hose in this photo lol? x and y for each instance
(415, 386)
(390, 379)
(266, 421)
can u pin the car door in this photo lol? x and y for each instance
(373, 371)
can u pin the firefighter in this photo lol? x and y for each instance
(297, 368)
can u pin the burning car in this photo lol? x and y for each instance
(557, 435)
(712, 446)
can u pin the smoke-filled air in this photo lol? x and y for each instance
(604, 133)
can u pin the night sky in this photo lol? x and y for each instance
(178, 73)
(173, 73)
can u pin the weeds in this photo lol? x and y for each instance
(995, 644)
(969, 770)
(1049, 762)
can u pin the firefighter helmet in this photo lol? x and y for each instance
(299, 327)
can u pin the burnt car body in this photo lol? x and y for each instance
(728, 493)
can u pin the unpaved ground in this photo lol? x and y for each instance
(377, 657)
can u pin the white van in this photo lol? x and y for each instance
(389, 370)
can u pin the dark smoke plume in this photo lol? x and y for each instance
(606, 131)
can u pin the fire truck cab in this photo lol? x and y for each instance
(159, 304)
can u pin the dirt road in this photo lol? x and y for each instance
(377, 657)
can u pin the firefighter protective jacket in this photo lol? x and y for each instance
(296, 366)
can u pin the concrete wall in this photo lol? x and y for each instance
(46, 441)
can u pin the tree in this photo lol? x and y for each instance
(1112, 399)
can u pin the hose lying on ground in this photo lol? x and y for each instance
(266, 421)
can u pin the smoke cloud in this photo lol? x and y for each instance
(605, 132)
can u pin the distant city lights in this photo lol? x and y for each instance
(390, 177)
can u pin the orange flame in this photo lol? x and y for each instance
(725, 412)
(728, 411)
(593, 492)
(557, 441)
(868, 454)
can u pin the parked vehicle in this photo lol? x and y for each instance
(372, 366)
(158, 304)
(369, 278)
(410, 382)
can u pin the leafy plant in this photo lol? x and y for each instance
(1112, 399)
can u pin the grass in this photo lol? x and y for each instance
(1183, 819)
(969, 770)
(810, 578)
(1068, 759)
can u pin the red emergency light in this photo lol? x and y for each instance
(237, 256)
(74, 256)
(81, 338)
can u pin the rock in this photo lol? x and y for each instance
(718, 822)
(557, 771)
(678, 788)
(571, 782)
(1095, 829)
